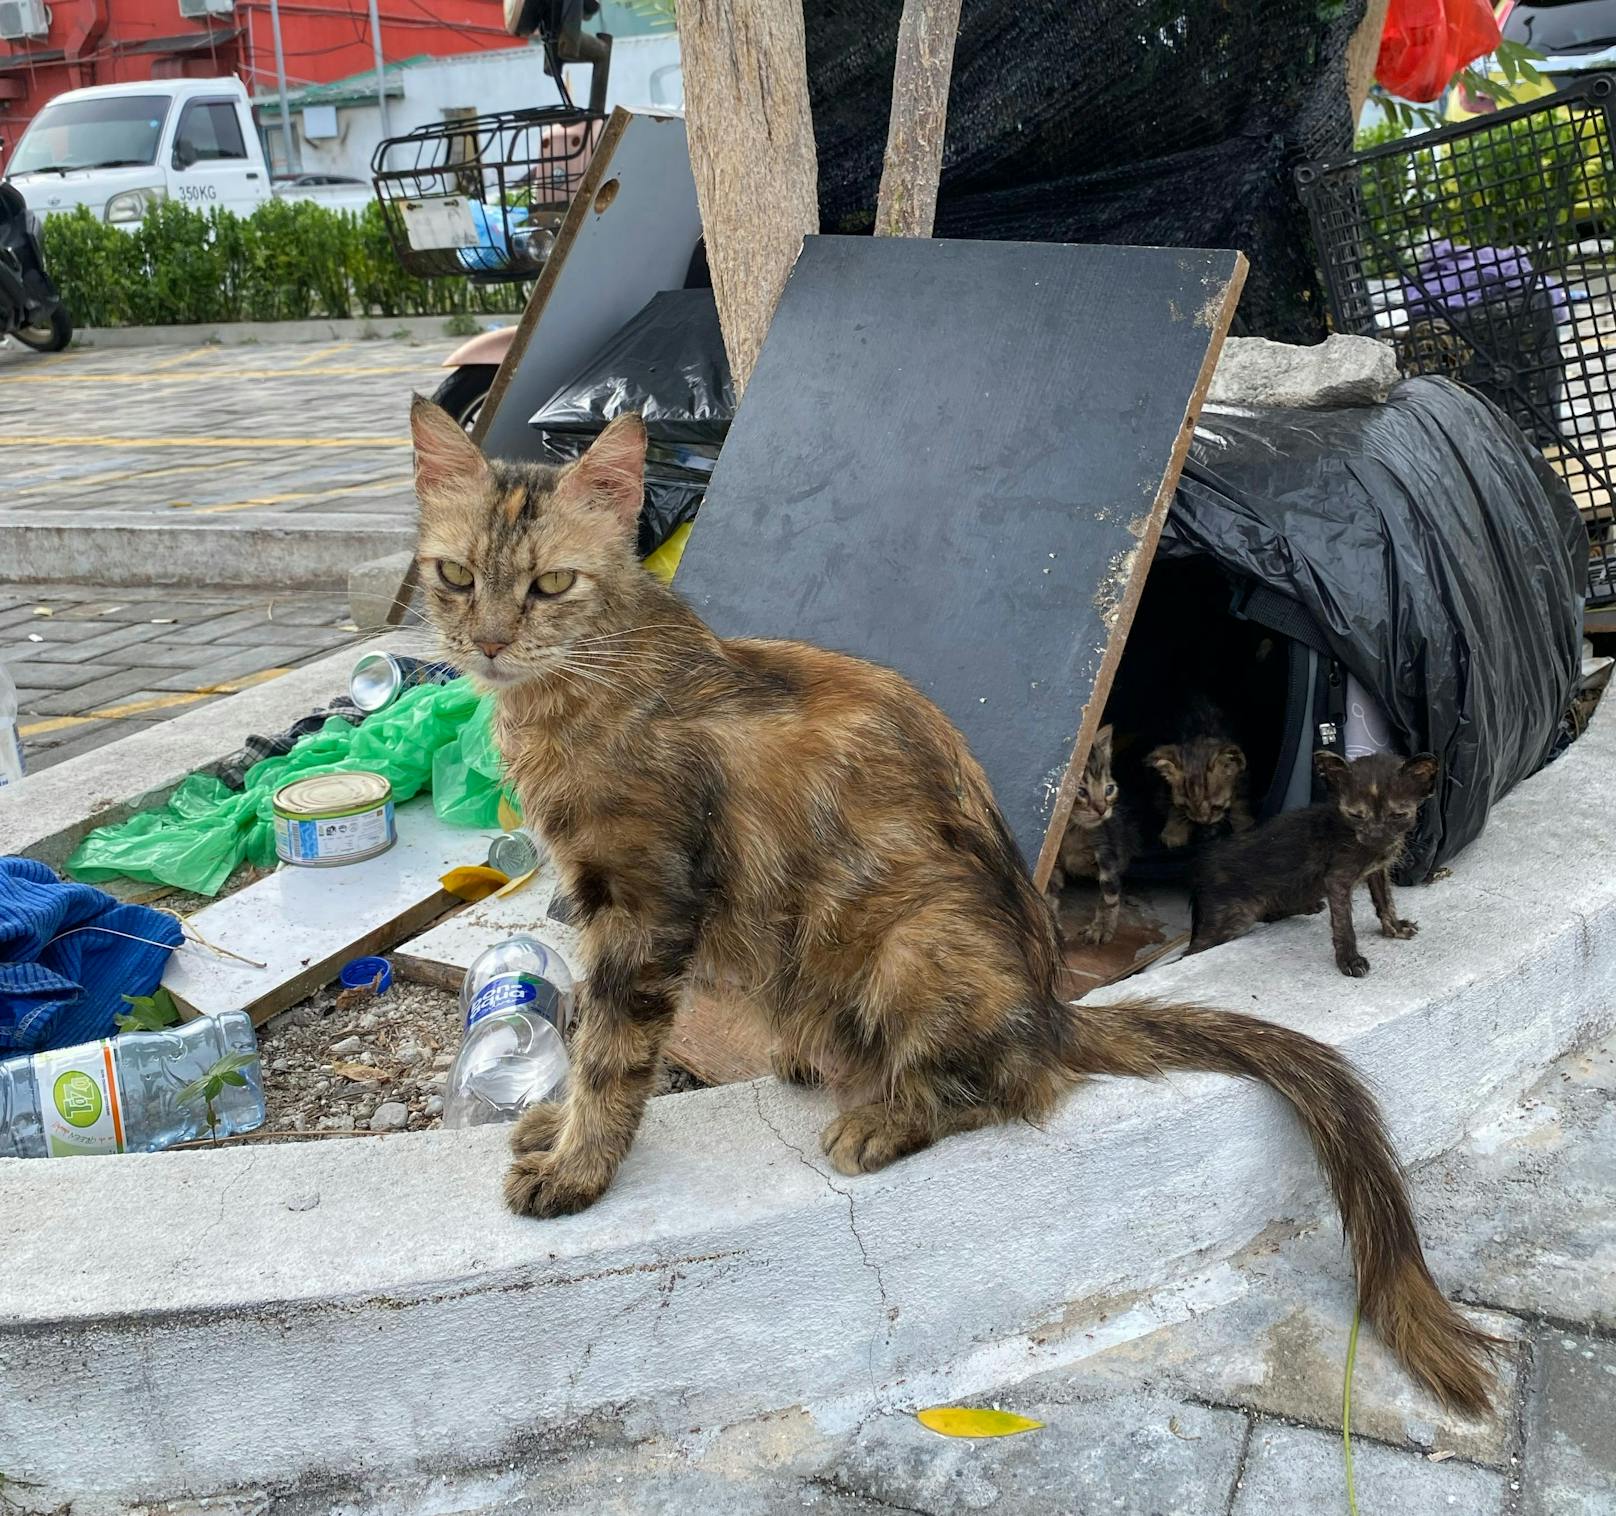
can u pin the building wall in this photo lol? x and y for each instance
(644, 73)
(115, 41)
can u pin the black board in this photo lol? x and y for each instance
(954, 458)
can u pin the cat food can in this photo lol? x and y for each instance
(378, 679)
(334, 818)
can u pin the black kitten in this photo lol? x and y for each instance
(1299, 861)
(1101, 840)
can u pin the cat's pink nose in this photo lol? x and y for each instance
(493, 649)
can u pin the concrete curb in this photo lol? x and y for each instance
(190, 1324)
(252, 333)
(295, 550)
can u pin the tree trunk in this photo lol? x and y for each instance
(752, 153)
(907, 205)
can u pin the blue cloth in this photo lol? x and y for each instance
(57, 990)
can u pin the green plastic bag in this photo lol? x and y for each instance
(196, 841)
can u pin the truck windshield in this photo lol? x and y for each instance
(70, 134)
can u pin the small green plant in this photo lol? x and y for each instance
(461, 325)
(208, 1087)
(1514, 65)
(148, 1013)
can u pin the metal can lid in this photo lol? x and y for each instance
(375, 680)
(332, 795)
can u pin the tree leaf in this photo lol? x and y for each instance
(974, 1421)
(360, 1073)
(233, 1078)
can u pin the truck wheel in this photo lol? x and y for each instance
(48, 337)
(463, 392)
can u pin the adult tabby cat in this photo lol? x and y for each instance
(808, 828)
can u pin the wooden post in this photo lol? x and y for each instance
(752, 153)
(1362, 52)
(907, 204)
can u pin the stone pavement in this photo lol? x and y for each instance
(211, 431)
(1220, 1396)
(105, 663)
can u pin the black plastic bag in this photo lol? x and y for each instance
(668, 363)
(1439, 555)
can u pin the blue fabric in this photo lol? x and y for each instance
(57, 990)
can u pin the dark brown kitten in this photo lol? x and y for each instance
(809, 834)
(1297, 863)
(1102, 839)
(1205, 773)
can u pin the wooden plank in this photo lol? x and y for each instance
(305, 923)
(955, 459)
(907, 203)
(1143, 935)
(752, 150)
(607, 262)
(1363, 52)
(716, 1042)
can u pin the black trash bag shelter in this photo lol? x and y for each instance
(1426, 546)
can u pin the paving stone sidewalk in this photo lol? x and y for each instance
(106, 663)
(1220, 1397)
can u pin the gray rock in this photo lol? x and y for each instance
(369, 1022)
(390, 1116)
(433, 1106)
(336, 1124)
(348, 1047)
(278, 1065)
(1341, 370)
(304, 1202)
(409, 1055)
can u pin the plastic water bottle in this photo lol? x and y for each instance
(11, 768)
(121, 1095)
(517, 999)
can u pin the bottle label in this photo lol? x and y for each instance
(512, 992)
(79, 1110)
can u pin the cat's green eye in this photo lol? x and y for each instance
(456, 575)
(555, 582)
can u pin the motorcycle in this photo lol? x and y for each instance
(31, 310)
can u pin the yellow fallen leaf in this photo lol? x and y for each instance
(473, 881)
(972, 1421)
(521, 882)
(509, 817)
(360, 1073)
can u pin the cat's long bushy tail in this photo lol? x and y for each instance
(1140, 1038)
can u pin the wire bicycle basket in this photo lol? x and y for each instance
(1483, 251)
(485, 196)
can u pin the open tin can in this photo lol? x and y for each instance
(328, 819)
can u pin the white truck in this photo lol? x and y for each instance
(120, 148)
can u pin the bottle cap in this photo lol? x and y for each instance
(363, 971)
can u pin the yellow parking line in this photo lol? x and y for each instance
(369, 486)
(190, 355)
(322, 355)
(144, 442)
(213, 376)
(64, 486)
(140, 707)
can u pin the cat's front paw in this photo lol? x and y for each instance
(1353, 965)
(537, 1127)
(865, 1139)
(1399, 927)
(550, 1184)
(1099, 930)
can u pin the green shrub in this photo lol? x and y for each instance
(288, 261)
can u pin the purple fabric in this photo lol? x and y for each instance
(1452, 278)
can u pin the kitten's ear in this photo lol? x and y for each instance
(1101, 750)
(1230, 759)
(611, 475)
(1420, 771)
(1331, 768)
(1168, 762)
(445, 457)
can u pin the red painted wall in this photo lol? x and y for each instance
(115, 41)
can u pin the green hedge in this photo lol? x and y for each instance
(288, 261)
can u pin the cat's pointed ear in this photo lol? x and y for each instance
(1168, 762)
(1230, 759)
(445, 457)
(1101, 751)
(611, 475)
(1420, 772)
(1331, 768)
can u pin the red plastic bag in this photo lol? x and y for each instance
(1426, 42)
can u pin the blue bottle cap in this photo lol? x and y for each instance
(363, 971)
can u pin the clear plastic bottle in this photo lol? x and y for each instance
(518, 999)
(11, 765)
(121, 1095)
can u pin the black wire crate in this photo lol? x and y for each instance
(484, 196)
(1486, 252)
